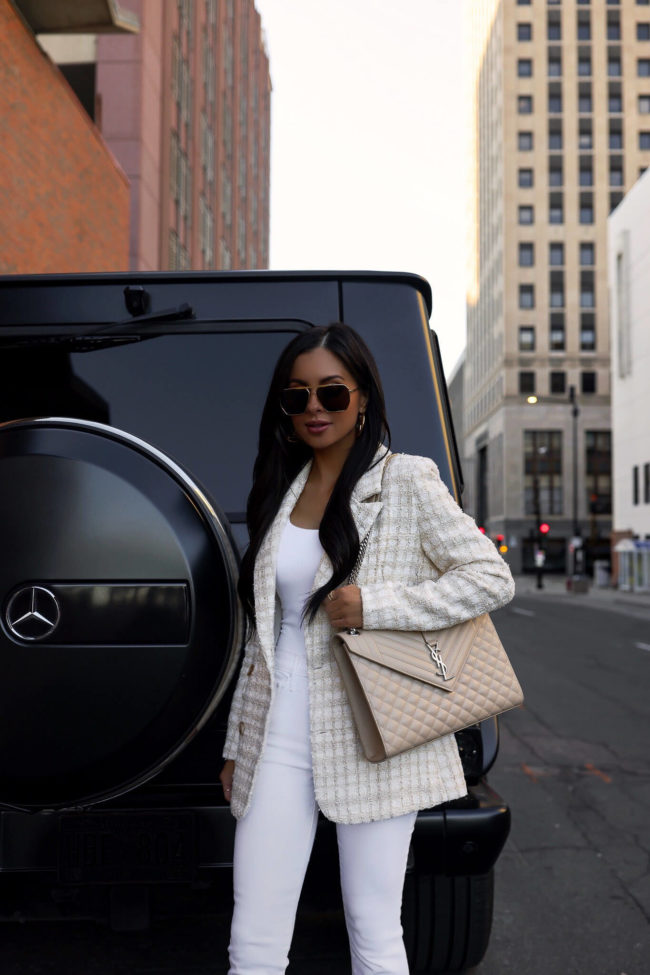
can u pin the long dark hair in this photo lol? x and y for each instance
(279, 460)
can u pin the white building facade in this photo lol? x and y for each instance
(629, 274)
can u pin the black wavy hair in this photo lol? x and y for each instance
(279, 460)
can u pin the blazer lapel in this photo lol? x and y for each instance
(364, 511)
(264, 584)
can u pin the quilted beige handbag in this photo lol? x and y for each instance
(407, 688)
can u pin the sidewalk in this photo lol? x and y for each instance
(554, 588)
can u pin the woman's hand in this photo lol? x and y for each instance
(226, 775)
(344, 608)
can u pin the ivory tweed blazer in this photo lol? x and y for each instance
(427, 566)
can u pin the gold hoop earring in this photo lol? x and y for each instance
(291, 438)
(361, 422)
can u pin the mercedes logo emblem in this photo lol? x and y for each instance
(33, 613)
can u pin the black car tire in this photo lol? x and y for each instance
(447, 921)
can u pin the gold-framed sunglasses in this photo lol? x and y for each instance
(333, 397)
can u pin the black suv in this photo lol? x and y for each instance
(129, 406)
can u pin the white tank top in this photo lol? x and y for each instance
(299, 556)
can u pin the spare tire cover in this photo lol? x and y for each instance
(119, 622)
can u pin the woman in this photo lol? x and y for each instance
(292, 746)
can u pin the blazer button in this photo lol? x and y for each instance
(251, 669)
(241, 727)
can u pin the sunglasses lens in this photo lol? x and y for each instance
(294, 401)
(334, 398)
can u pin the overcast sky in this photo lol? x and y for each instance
(368, 143)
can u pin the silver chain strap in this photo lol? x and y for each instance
(352, 579)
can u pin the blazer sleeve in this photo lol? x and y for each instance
(473, 578)
(236, 707)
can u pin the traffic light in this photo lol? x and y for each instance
(481, 529)
(544, 528)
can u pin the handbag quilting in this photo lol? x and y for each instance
(408, 688)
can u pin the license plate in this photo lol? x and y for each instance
(127, 847)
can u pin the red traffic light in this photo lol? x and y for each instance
(481, 529)
(501, 539)
(544, 528)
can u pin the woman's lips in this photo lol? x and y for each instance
(317, 426)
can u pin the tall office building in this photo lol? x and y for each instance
(184, 105)
(561, 129)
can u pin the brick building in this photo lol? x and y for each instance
(64, 200)
(185, 107)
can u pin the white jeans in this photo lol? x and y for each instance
(273, 844)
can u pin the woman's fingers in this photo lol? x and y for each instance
(343, 607)
(226, 776)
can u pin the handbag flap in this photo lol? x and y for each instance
(437, 658)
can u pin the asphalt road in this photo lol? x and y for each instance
(573, 887)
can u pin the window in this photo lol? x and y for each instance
(598, 471)
(554, 98)
(526, 383)
(555, 208)
(646, 483)
(526, 255)
(587, 299)
(613, 27)
(616, 171)
(558, 383)
(644, 140)
(555, 174)
(643, 67)
(644, 104)
(523, 3)
(524, 141)
(588, 382)
(542, 473)
(586, 173)
(555, 66)
(587, 252)
(584, 27)
(584, 99)
(526, 338)
(643, 32)
(524, 68)
(555, 134)
(585, 136)
(556, 254)
(614, 98)
(614, 67)
(615, 134)
(614, 200)
(586, 208)
(584, 65)
(557, 337)
(526, 214)
(556, 291)
(554, 28)
(525, 178)
(526, 295)
(525, 104)
(524, 32)
(587, 332)
(635, 485)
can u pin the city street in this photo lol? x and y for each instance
(572, 886)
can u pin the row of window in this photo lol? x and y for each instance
(554, 66)
(525, 140)
(584, 3)
(556, 253)
(557, 384)
(557, 338)
(583, 32)
(636, 493)
(525, 176)
(585, 103)
(543, 469)
(526, 212)
(556, 291)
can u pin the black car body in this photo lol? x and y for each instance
(129, 406)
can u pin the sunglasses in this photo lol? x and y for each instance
(333, 397)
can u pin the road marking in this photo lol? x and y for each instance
(527, 612)
(596, 771)
(529, 772)
(642, 646)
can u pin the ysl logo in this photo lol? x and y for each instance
(438, 661)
